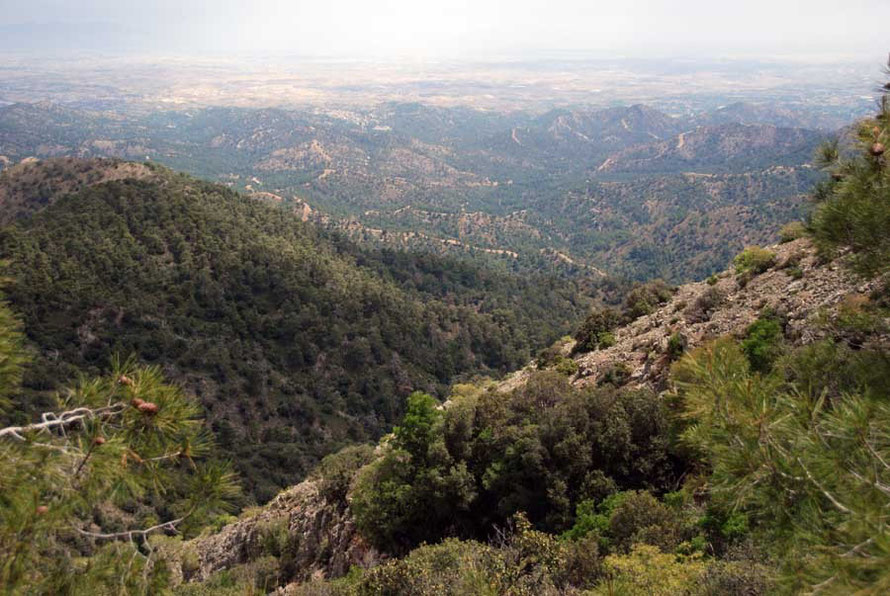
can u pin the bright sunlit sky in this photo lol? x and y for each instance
(457, 28)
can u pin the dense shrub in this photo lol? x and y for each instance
(641, 518)
(416, 490)
(540, 450)
(644, 298)
(792, 231)
(701, 310)
(523, 562)
(552, 357)
(592, 517)
(626, 518)
(754, 260)
(736, 577)
(596, 330)
(762, 342)
(337, 470)
(616, 374)
(646, 571)
(453, 567)
(565, 366)
(676, 345)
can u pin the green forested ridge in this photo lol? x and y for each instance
(295, 341)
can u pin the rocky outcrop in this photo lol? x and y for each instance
(798, 288)
(311, 537)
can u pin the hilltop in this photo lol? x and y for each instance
(28, 187)
(296, 340)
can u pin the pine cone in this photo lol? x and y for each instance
(99, 441)
(148, 408)
(41, 509)
(877, 149)
(125, 380)
(136, 402)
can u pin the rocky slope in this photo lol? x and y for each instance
(798, 288)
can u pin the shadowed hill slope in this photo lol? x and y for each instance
(295, 340)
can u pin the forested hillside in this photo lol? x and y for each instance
(295, 340)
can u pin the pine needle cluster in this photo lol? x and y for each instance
(82, 490)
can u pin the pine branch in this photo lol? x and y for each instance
(840, 506)
(856, 550)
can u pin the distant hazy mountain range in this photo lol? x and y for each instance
(625, 190)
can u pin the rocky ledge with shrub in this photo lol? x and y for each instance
(303, 534)
(789, 281)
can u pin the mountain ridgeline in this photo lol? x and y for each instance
(295, 340)
(572, 190)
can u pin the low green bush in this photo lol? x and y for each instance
(617, 374)
(676, 346)
(762, 343)
(595, 331)
(565, 366)
(792, 231)
(754, 260)
(336, 471)
(645, 298)
(701, 310)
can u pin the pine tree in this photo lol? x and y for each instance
(853, 205)
(127, 445)
(803, 449)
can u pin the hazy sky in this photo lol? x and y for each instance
(456, 28)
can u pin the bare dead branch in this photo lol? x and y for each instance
(130, 534)
(50, 420)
